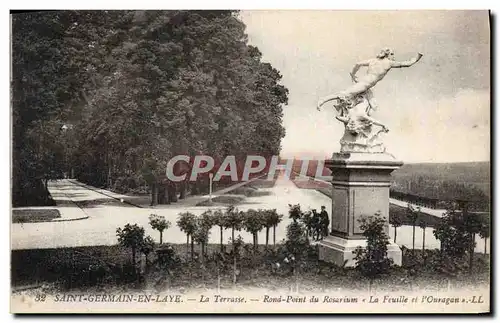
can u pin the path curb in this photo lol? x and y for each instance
(99, 191)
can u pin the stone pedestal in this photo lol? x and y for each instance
(360, 187)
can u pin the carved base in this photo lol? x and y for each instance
(339, 251)
(369, 142)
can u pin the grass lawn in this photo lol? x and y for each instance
(40, 215)
(222, 200)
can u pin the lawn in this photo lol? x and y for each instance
(34, 215)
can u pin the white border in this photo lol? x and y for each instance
(218, 4)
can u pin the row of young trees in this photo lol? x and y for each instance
(197, 228)
(455, 233)
(288, 258)
(111, 96)
(468, 223)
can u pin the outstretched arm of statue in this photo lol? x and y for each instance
(407, 63)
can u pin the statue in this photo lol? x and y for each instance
(355, 104)
(360, 135)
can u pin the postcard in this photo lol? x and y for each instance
(261, 161)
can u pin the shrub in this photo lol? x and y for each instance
(166, 257)
(372, 261)
(294, 212)
(132, 236)
(147, 246)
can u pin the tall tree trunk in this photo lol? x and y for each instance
(171, 193)
(395, 233)
(221, 239)
(413, 243)
(108, 180)
(163, 196)
(187, 245)
(183, 188)
(234, 268)
(485, 244)
(267, 236)
(423, 240)
(232, 237)
(154, 194)
(161, 237)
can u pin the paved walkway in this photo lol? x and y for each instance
(106, 214)
(144, 201)
(434, 212)
(65, 204)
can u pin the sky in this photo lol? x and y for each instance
(438, 110)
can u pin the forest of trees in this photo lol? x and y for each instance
(110, 96)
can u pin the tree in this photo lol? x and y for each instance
(204, 224)
(396, 221)
(187, 223)
(485, 232)
(473, 226)
(412, 217)
(372, 261)
(268, 222)
(423, 225)
(294, 212)
(253, 222)
(456, 232)
(220, 221)
(147, 246)
(49, 95)
(131, 236)
(142, 87)
(273, 220)
(234, 220)
(159, 223)
(297, 242)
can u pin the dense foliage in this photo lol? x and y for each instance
(111, 96)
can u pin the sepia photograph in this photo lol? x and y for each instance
(250, 161)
